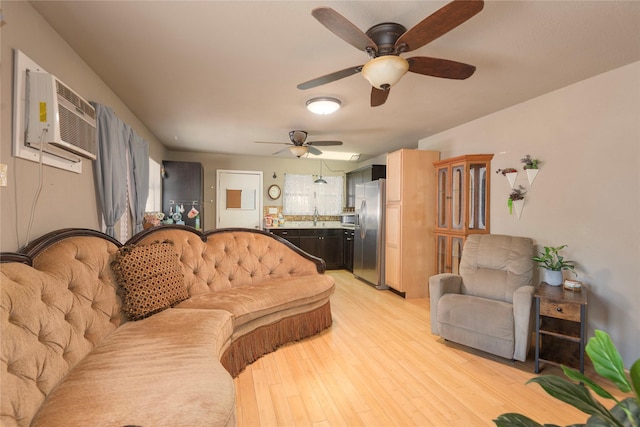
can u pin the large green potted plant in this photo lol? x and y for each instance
(607, 363)
(553, 263)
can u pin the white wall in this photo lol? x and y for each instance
(586, 195)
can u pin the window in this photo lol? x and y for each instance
(154, 200)
(302, 196)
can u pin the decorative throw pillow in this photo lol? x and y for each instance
(150, 277)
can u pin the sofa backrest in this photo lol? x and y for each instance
(227, 258)
(59, 297)
(494, 266)
(52, 313)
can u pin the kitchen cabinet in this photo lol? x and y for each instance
(325, 243)
(183, 186)
(291, 235)
(349, 235)
(561, 326)
(410, 207)
(358, 176)
(462, 206)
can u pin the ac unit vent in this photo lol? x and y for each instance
(58, 116)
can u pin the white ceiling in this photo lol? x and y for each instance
(214, 76)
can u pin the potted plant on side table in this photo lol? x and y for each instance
(553, 263)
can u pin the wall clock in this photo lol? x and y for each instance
(274, 192)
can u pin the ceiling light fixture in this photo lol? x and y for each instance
(385, 71)
(320, 180)
(323, 105)
(298, 150)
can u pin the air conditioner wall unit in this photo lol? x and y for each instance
(59, 119)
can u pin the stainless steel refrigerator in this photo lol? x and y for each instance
(368, 253)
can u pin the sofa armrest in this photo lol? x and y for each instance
(439, 285)
(523, 321)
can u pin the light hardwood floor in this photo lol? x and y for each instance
(379, 365)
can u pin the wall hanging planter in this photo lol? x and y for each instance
(531, 175)
(516, 201)
(531, 167)
(511, 174)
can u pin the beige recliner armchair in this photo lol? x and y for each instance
(489, 305)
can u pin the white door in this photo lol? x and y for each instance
(239, 199)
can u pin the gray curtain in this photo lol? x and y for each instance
(138, 178)
(111, 166)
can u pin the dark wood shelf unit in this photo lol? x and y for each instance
(561, 326)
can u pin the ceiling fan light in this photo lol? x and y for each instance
(323, 105)
(385, 70)
(298, 150)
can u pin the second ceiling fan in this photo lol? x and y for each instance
(299, 146)
(385, 42)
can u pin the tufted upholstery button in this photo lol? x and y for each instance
(195, 271)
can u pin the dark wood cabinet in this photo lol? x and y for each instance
(183, 187)
(290, 235)
(324, 243)
(561, 326)
(358, 176)
(348, 237)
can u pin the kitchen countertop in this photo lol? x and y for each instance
(309, 224)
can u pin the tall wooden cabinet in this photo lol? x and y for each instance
(462, 206)
(410, 205)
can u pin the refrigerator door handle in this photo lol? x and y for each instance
(363, 218)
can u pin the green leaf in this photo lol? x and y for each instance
(606, 360)
(635, 378)
(515, 420)
(575, 395)
(627, 414)
(577, 376)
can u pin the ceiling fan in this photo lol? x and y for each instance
(298, 145)
(385, 42)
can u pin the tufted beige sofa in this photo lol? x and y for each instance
(70, 357)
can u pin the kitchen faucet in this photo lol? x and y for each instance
(315, 216)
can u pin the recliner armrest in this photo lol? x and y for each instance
(523, 320)
(440, 284)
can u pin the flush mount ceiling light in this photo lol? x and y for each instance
(323, 105)
(385, 71)
(298, 150)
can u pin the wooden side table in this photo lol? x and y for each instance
(561, 326)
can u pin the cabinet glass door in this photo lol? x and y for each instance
(457, 197)
(478, 196)
(443, 182)
(456, 254)
(442, 255)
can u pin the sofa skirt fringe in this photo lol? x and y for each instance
(265, 339)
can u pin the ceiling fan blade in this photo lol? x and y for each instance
(314, 150)
(281, 151)
(267, 142)
(324, 143)
(378, 96)
(328, 78)
(438, 23)
(343, 28)
(437, 67)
